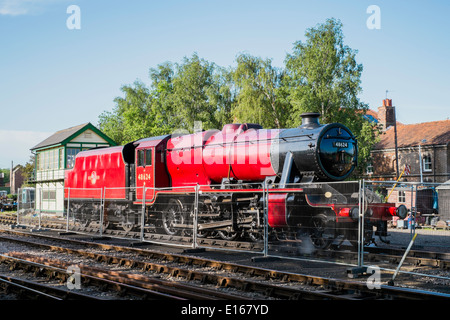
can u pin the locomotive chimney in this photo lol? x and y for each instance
(310, 119)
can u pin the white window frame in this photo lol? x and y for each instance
(401, 196)
(427, 164)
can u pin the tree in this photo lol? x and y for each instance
(179, 95)
(222, 94)
(260, 98)
(142, 111)
(322, 75)
(132, 117)
(6, 174)
(163, 105)
(28, 172)
(196, 93)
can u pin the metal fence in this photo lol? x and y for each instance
(427, 204)
(201, 217)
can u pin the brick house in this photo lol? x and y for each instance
(16, 179)
(424, 147)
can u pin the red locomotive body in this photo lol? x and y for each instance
(95, 170)
(150, 169)
(238, 152)
(242, 170)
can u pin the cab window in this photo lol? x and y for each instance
(148, 157)
(141, 158)
(144, 157)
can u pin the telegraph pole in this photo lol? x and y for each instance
(395, 139)
(11, 190)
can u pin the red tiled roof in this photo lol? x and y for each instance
(372, 113)
(435, 133)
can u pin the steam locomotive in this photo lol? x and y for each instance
(240, 174)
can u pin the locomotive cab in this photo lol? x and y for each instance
(150, 167)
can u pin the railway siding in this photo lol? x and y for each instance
(249, 281)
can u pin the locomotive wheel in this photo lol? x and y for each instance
(105, 225)
(204, 209)
(256, 236)
(128, 226)
(227, 235)
(83, 223)
(202, 234)
(352, 236)
(171, 216)
(321, 235)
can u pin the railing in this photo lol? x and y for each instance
(291, 223)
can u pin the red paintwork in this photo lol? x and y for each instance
(380, 211)
(154, 175)
(202, 158)
(207, 157)
(383, 211)
(250, 155)
(343, 212)
(185, 160)
(94, 170)
(277, 211)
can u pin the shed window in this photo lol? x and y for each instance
(49, 194)
(71, 153)
(50, 159)
(401, 196)
(427, 166)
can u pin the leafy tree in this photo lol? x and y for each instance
(222, 94)
(162, 99)
(132, 117)
(111, 123)
(195, 93)
(193, 90)
(260, 98)
(322, 75)
(28, 172)
(6, 173)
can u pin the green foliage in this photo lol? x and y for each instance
(6, 173)
(320, 75)
(198, 94)
(28, 172)
(179, 95)
(323, 76)
(260, 96)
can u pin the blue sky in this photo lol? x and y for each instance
(52, 77)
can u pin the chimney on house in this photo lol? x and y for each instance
(386, 114)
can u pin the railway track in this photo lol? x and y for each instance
(25, 289)
(372, 254)
(157, 284)
(239, 278)
(415, 257)
(121, 283)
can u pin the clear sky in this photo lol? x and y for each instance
(53, 77)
